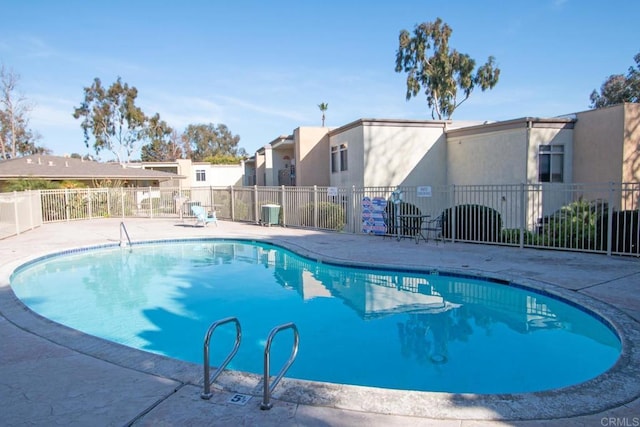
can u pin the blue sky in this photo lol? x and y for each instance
(262, 67)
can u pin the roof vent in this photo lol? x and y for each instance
(50, 162)
(29, 161)
(66, 164)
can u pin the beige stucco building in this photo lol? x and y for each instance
(509, 152)
(376, 152)
(607, 144)
(593, 146)
(299, 159)
(199, 174)
(266, 168)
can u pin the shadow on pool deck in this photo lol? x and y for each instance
(50, 374)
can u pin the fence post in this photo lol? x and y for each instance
(282, 205)
(150, 203)
(122, 200)
(66, 204)
(523, 209)
(232, 210)
(453, 213)
(15, 212)
(255, 204)
(610, 220)
(89, 202)
(352, 207)
(315, 206)
(30, 207)
(107, 191)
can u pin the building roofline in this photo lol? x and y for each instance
(522, 122)
(391, 122)
(67, 168)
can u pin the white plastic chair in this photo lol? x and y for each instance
(202, 216)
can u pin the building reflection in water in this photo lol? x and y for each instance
(437, 309)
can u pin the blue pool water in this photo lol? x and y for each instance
(391, 329)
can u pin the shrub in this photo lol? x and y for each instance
(408, 226)
(24, 184)
(574, 225)
(473, 222)
(512, 236)
(625, 231)
(330, 216)
(241, 210)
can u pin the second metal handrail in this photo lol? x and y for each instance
(266, 404)
(206, 394)
(124, 229)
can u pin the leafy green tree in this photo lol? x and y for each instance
(619, 88)
(323, 107)
(164, 143)
(111, 117)
(208, 140)
(225, 159)
(24, 184)
(430, 65)
(16, 138)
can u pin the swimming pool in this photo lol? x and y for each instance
(392, 329)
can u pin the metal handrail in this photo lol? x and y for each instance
(266, 404)
(123, 228)
(206, 394)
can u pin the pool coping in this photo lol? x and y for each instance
(615, 387)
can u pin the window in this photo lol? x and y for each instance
(551, 163)
(339, 158)
(201, 176)
(343, 157)
(334, 159)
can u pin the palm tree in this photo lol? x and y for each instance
(323, 107)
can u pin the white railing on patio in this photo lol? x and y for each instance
(602, 218)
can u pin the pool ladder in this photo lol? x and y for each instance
(267, 387)
(123, 230)
(206, 394)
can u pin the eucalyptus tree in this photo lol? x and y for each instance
(447, 77)
(164, 142)
(619, 88)
(16, 138)
(208, 140)
(323, 107)
(111, 117)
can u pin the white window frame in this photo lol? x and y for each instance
(344, 159)
(334, 159)
(551, 158)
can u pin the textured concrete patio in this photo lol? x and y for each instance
(52, 375)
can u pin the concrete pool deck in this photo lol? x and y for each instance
(52, 375)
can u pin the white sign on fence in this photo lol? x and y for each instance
(332, 191)
(424, 191)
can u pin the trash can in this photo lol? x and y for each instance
(270, 214)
